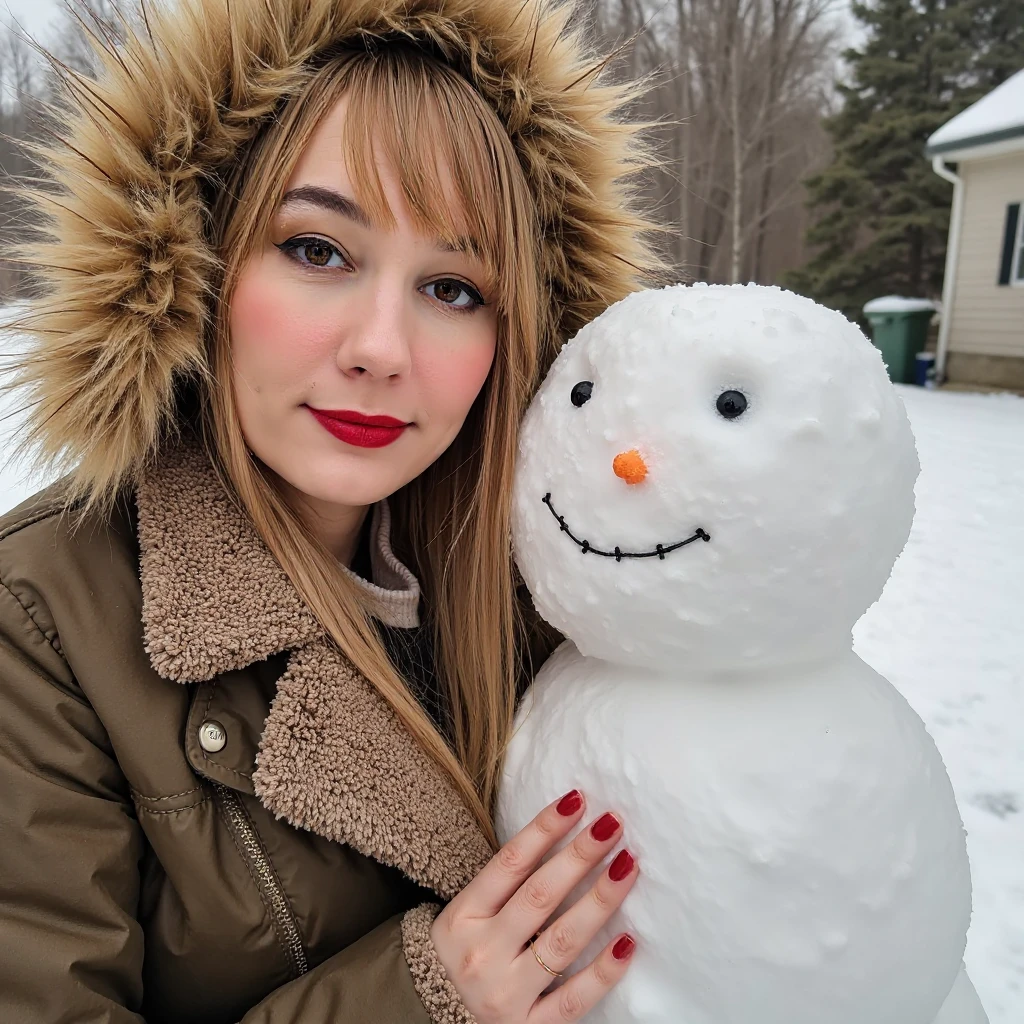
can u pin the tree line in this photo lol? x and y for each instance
(880, 215)
(784, 158)
(741, 89)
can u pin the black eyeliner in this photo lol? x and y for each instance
(291, 245)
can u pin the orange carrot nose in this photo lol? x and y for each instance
(630, 466)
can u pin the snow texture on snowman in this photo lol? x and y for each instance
(713, 485)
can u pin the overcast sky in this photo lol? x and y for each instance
(33, 15)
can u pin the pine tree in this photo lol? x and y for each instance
(882, 214)
(998, 29)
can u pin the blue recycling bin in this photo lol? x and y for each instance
(924, 369)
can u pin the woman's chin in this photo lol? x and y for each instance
(344, 482)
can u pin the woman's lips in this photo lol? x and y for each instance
(356, 428)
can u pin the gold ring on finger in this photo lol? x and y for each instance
(536, 956)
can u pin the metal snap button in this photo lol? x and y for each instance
(212, 736)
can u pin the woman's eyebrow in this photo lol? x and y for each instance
(327, 199)
(336, 202)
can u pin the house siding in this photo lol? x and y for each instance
(988, 318)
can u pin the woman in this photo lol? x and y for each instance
(307, 261)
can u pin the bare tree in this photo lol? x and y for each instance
(20, 87)
(82, 20)
(29, 89)
(743, 86)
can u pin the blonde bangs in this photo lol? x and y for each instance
(448, 150)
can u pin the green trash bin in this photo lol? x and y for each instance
(899, 330)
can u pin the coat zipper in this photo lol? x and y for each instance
(271, 892)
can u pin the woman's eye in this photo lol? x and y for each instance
(581, 393)
(731, 404)
(455, 293)
(313, 252)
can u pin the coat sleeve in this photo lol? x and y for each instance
(391, 976)
(71, 944)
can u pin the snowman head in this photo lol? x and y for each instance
(713, 478)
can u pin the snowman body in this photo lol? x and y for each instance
(747, 803)
(713, 485)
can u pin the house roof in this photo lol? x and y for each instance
(994, 118)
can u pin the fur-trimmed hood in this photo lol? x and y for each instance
(126, 262)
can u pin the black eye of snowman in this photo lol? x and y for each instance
(581, 393)
(732, 404)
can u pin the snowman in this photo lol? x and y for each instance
(714, 483)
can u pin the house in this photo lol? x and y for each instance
(981, 151)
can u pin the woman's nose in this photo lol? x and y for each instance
(378, 340)
(630, 466)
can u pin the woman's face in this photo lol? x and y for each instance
(337, 321)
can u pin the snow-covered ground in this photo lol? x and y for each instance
(949, 633)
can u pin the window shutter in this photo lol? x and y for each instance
(1009, 242)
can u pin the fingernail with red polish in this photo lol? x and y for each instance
(621, 866)
(605, 827)
(623, 949)
(570, 803)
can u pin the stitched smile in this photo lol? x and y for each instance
(659, 551)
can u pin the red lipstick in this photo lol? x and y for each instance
(359, 429)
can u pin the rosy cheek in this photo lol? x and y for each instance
(271, 332)
(470, 372)
(456, 375)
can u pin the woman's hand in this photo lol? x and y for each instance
(483, 936)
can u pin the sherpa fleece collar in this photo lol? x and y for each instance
(333, 757)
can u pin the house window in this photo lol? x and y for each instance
(1011, 264)
(1018, 267)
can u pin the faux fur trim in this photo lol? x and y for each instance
(126, 264)
(437, 993)
(333, 758)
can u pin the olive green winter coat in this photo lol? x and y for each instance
(147, 660)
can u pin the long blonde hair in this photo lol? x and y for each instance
(451, 524)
